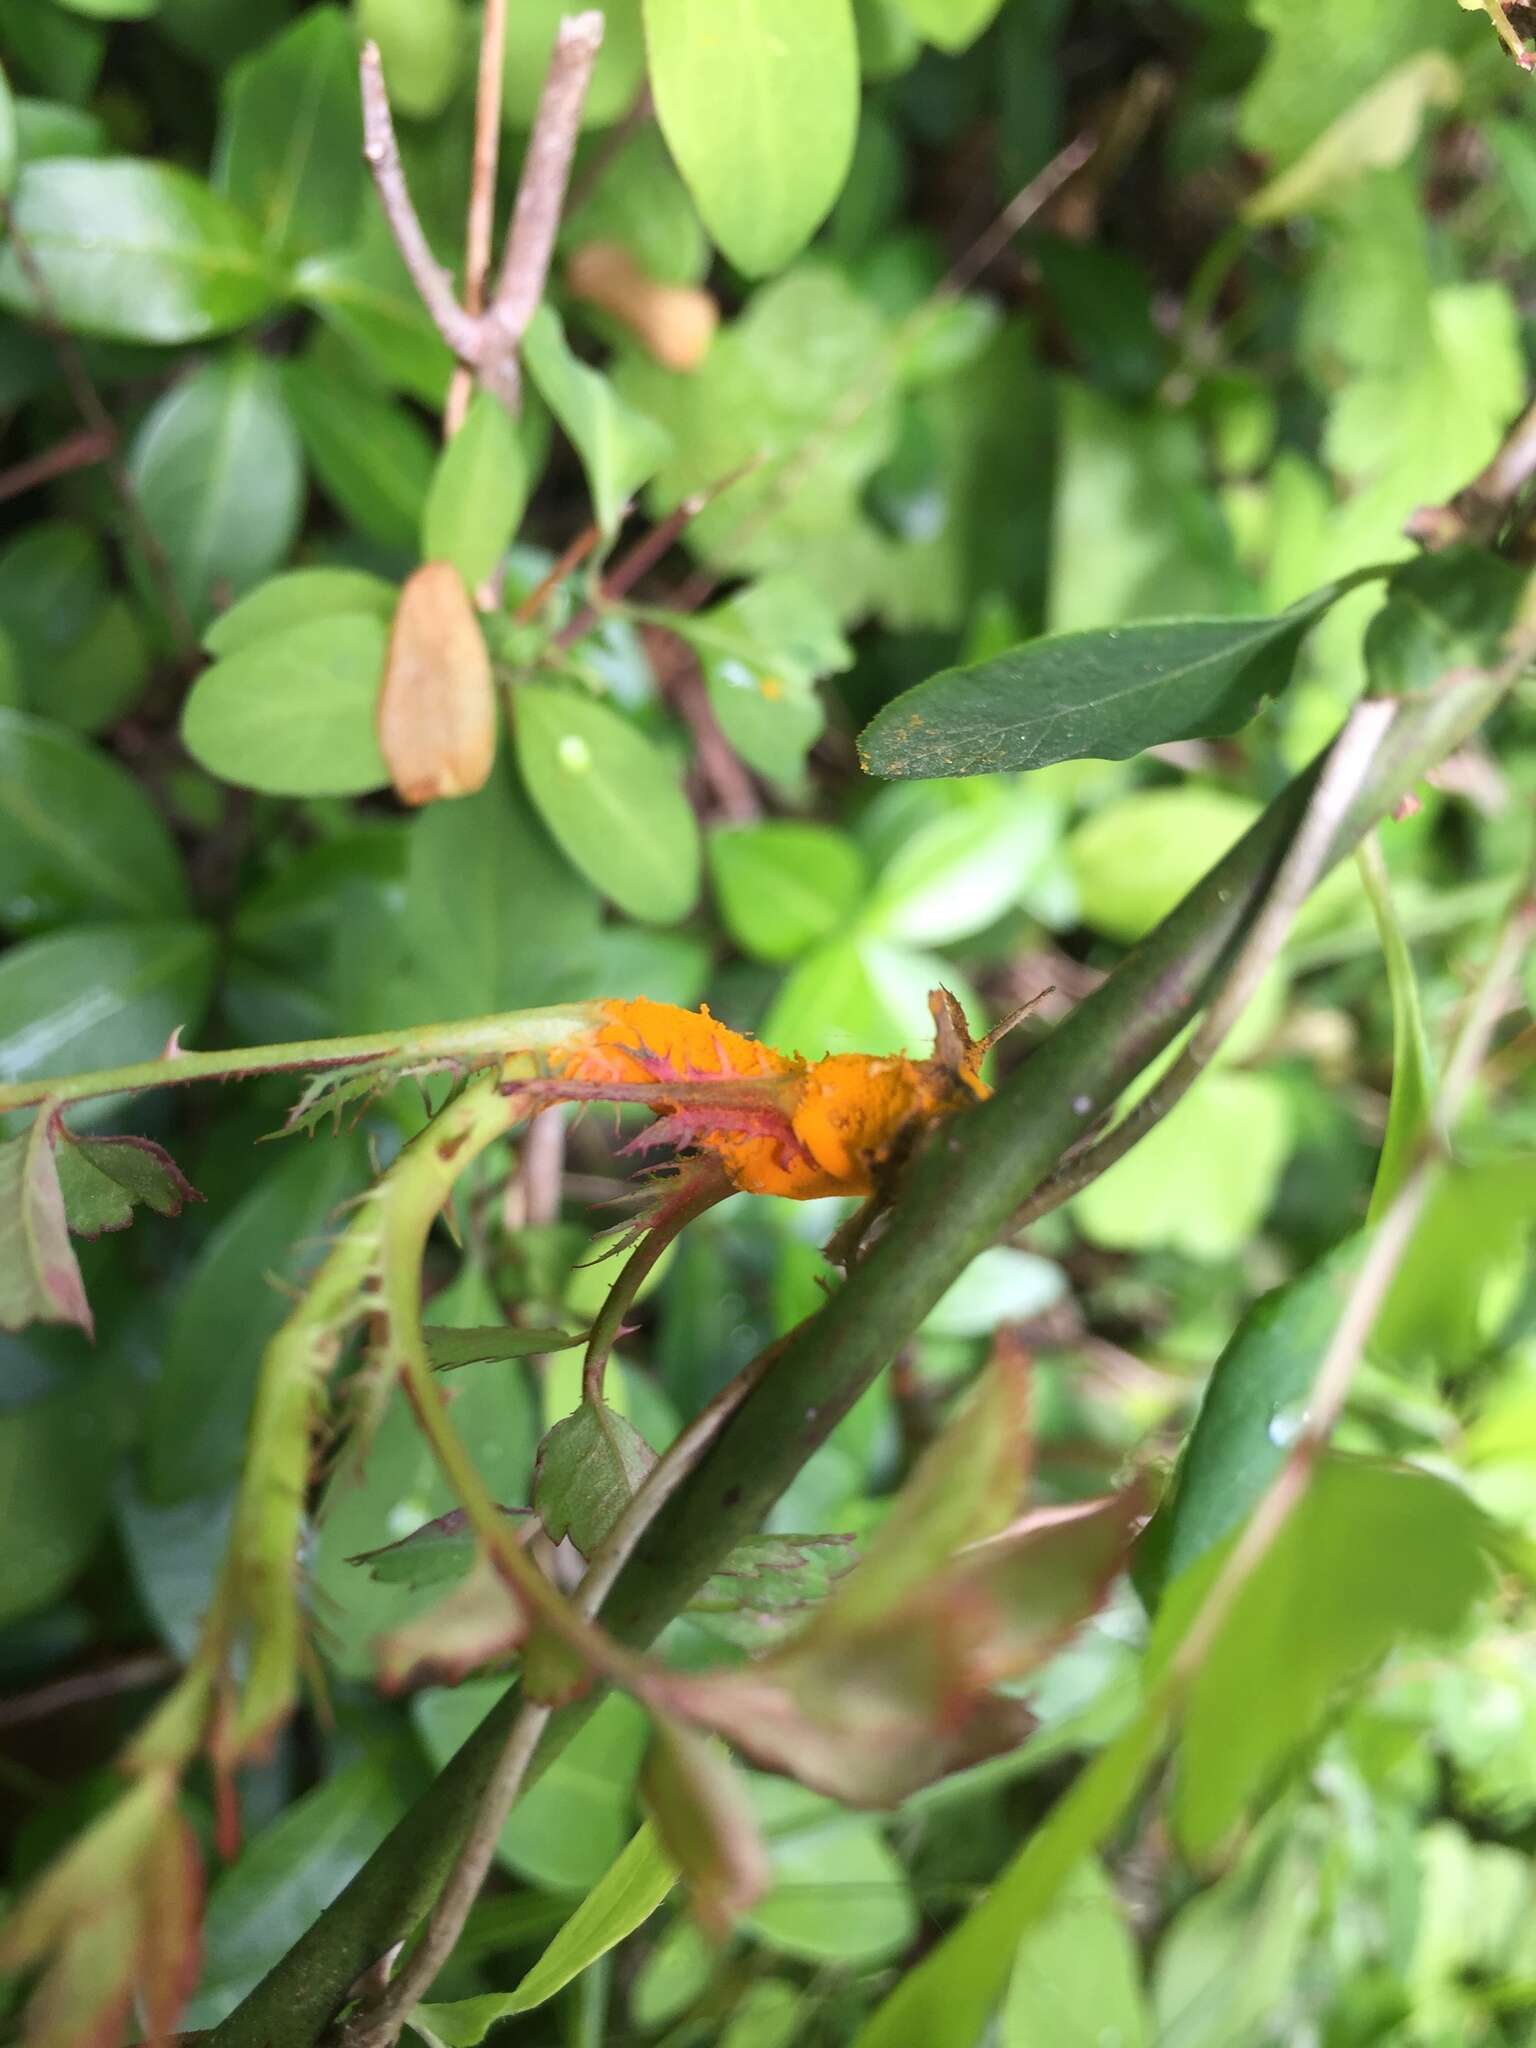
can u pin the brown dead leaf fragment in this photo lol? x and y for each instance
(674, 323)
(437, 707)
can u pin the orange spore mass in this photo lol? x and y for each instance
(799, 1128)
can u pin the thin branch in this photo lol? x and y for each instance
(1306, 860)
(540, 196)
(571, 558)
(84, 1688)
(88, 403)
(1020, 210)
(381, 152)
(75, 451)
(481, 220)
(379, 2026)
(1479, 509)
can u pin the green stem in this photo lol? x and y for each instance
(470, 1042)
(963, 1189)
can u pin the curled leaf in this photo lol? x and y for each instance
(706, 1824)
(39, 1277)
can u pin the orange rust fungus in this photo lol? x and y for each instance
(779, 1125)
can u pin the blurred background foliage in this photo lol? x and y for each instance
(1286, 301)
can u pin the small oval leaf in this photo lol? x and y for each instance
(293, 714)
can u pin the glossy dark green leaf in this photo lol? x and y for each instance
(56, 1460)
(1101, 695)
(588, 1468)
(611, 800)
(53, 591)
(373, 459)
(1250, 1415)
(294, 712)
(138, 251)
(229, 1306)
(784, 885)
(290, 146)
(758, 101)
(99, 995)
(219, 475)
(78, 836)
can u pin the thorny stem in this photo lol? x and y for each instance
(473, 1042)
(1340, 783)
(963, 1188)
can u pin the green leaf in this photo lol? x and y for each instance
(1137, 532)
(220, 479)
(227, 1308)
(783, 886)
(136, 251)
(1446, 610)
(963, 869)
(763, 651)
(78, 836)
(293, 713)
(452, 1348)
(56, 1463)
(105, 1179)
(1462, 1272)
(588, 1469)
(39, 1276)
(289, 151)
(1376, 133)
(1373, 1554)
(1076, 1979)
(946, 2000)
(620, 447)
(572, 1822)
(492, 909)
(373, 459)
(767, 1585)
(1201, 1181)
(365, 296)
(478, 491)
(53, 590)
(611, 801)
(1097, 696)
(101, 995)
(1000, 1285)
(623, 1899)
(617, 75)
(1412, 1100)
(699, 1806)
(293, 1869)
(424, 45)
(758, 101)
(840, 1894)
(861, 996)
(1249, 1418)
(951, 24)
(1133, 859)
(295, 599)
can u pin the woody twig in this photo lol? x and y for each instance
(486, 342)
